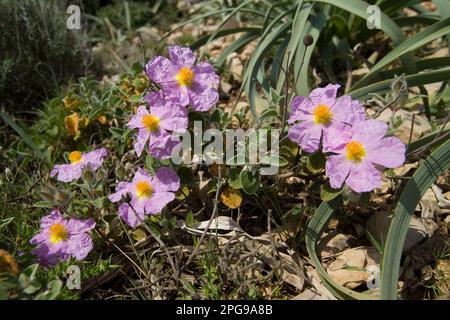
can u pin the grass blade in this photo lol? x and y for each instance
(412, 80)
(316, 227)
(433, 32)
(26, 138)
(435, 165)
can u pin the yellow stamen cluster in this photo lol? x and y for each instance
(355, 151)
(75, 157)
(322, 114)
(150, 122)
(185, 77)
(58, 233)
(144, 189)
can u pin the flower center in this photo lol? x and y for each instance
(75, 157)
(322, 114)
(150, 122)
(144, 189)
(58, 233)
(185, 77)
(355, 151)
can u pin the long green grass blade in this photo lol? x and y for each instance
(315, 228)
(270, 36)
(433, 32)
(297, 33)
(26, 138)
(223, 33)
(412, 80)
(235, 46)
(314, 27)
(359, 8)
(435, 165)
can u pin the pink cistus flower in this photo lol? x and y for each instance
(61, 239)
(149, 194)
(78, 161)
(188, 84)
(164, 117)
(358, 150)
(319, 112)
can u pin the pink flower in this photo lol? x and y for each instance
(358, 150)
(320, 112)
(185, 82)
(78, 161)
(61, 239)
(149, 195)
(164, 117)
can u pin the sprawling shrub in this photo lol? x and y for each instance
(37, 51)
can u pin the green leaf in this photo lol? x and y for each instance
(268, 114)
(435, 165)
(316, 162)
(274, 160)
(43, 204)
(216, 116)
(98, 203)
(250, 183)
(327, 193)
(26, 138)
(234, 181)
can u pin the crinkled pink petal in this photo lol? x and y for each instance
(306, 135)
(336, 137)
(390, 152)
(181, 55)
(166, 180)
(141, 140)
(347, 110)
(162, 146)
(122, 189)
(131, 218)
(326, 95)
(67, 172)
(136, 120)
(301, 110)
(158, 201)
(172, 118)
(160, 70)
(369, 132)
(80, 226)
(364, 177)
(79, 246)
(337, 169)
(94, 159)
(203, 98)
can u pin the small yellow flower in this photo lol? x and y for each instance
(84, 122)
(71, 123)
(8, 263)
(102, 119)
(232, 198)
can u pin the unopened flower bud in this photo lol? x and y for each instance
(126, 197)
(308, 40)
(88, 176)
